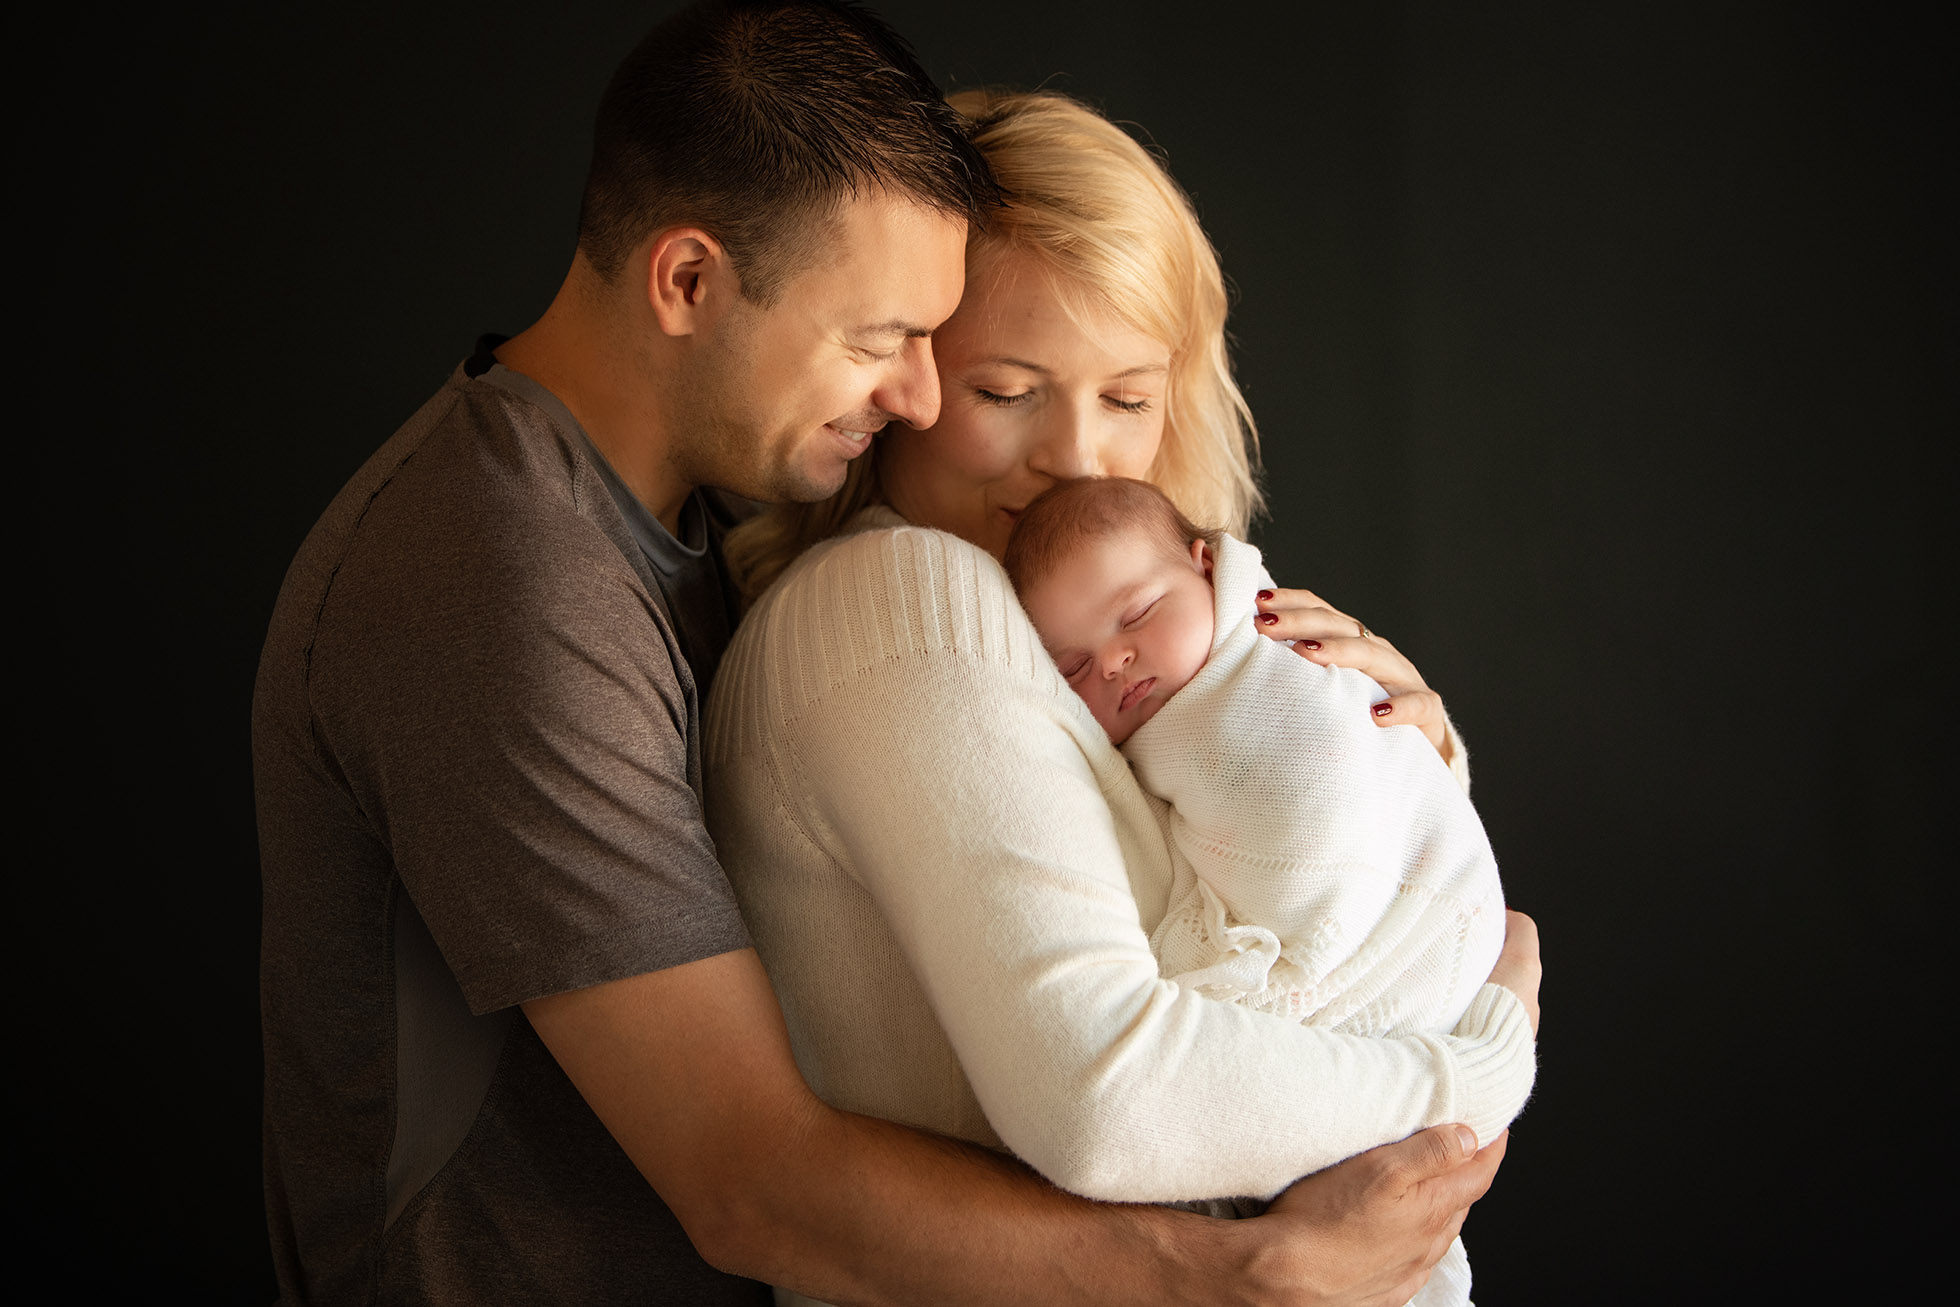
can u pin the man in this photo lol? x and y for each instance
(517, 1046)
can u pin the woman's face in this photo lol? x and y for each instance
(1030, 395)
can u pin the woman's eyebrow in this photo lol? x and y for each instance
(1141, 369)
(1003, 360)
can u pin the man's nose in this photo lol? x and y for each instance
(911, 392)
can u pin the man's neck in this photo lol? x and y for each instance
(572, 352)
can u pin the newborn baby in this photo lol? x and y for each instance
(1329, 870)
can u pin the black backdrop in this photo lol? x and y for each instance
(1599, 352)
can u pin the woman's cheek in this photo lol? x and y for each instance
(988, 444)
(1139, 444)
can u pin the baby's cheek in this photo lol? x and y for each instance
(1105, 714)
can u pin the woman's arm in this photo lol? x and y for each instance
(923, 742)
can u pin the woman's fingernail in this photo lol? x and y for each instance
(1383, 710)
(1311, 644)
(1265, 596)
(1269, 619)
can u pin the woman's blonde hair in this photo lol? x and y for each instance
(1113, 230)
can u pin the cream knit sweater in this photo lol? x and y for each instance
(951, 876)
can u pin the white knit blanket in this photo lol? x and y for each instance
(1329, 870)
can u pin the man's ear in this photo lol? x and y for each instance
(687, 277)
(1201, 556)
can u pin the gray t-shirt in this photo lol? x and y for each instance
(477, 758)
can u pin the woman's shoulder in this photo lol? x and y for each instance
(888, 577)
(886, 598)
(879, 544)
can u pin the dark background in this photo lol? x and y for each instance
(1600, 353)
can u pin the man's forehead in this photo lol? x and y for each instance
(888, 268)
(897, 230)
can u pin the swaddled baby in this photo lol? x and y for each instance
(1330, 870)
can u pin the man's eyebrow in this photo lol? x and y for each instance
(896, 327)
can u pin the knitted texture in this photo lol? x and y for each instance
(951, 876)
(1328, 870)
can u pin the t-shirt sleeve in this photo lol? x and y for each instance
(509, 717)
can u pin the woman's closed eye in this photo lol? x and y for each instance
(1123, 405)
(999, 399)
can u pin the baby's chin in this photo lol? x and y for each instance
(1121, 729)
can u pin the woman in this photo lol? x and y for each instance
(949, 872)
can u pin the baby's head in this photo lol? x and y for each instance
(1118, 583)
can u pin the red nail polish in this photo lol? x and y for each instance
(1311, 644)
(1269, 619)
(1383, 710)
(1265, 596)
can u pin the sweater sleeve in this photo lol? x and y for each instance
(914, 731)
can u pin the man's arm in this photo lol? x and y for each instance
(690, 1069)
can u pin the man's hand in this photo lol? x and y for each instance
(1365, 1233)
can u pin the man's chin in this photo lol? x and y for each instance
(799, 485)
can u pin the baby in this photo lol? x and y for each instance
(1328, 870)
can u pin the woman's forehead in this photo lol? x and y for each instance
(1017, 311)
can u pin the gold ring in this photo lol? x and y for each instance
(1365, 632)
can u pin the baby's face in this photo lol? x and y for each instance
(1127, 623)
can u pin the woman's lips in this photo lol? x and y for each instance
(1135, 693)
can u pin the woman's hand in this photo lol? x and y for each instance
(1324, 634)
(1518, 968)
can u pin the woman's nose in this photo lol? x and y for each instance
(1067, 447)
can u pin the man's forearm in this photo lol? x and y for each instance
(690, 1070)
(865, 1211)
(883, 1214)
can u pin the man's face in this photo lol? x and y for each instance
(780, 399)
(1127, 622)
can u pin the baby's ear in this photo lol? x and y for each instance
(1201, 556)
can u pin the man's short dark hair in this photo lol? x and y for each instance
(756, 120)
